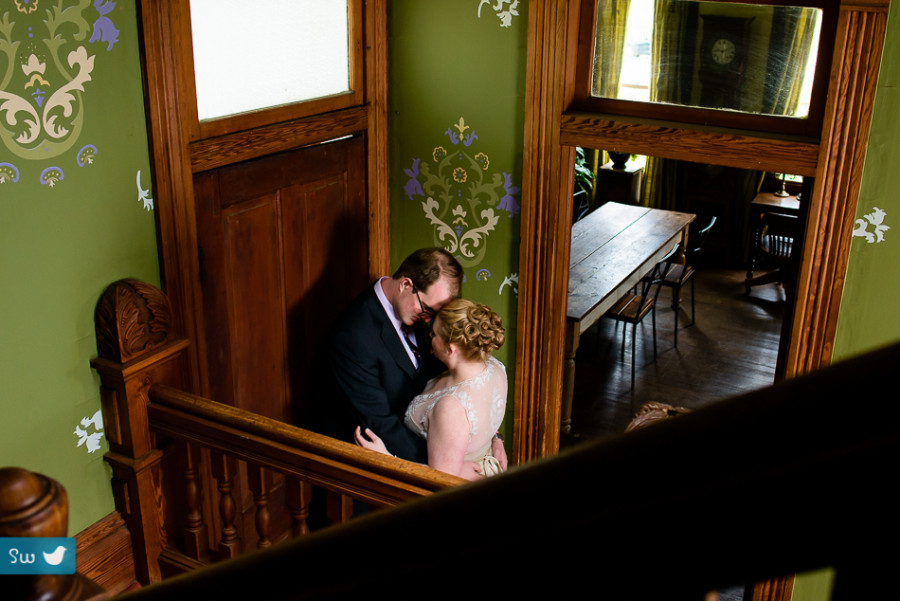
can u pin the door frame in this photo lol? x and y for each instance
(551, 134)
(177, 150)
(552, 130)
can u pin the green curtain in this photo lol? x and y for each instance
(609, 46)
(793, 29)
(672, 49)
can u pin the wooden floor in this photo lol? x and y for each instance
(732, 348)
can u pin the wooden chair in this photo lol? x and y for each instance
(632, 307)
(681, 271)
(773, 247)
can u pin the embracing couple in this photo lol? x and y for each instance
(412, 366)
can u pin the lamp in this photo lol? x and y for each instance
(783, 192)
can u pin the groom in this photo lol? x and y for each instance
(380, 357)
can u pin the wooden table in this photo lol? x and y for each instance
(768, 202)
(612, 249)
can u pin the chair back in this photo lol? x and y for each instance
(777, 233)
(697, 241)
(662, 267)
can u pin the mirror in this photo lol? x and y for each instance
(755, 59)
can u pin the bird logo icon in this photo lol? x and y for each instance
(56, 557)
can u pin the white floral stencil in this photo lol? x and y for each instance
(512, 280)
(876, 219)
(144, 195)
(505, 10)
(91, 441)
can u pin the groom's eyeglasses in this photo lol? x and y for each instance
(426, 310)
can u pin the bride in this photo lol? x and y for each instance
(460, 410)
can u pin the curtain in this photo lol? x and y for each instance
(609, 47)
(672, 49)
(793, 29)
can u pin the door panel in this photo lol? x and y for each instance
(283, 244)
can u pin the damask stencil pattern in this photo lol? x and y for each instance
(89, 432)
(504, 9)
(46, 64)
(463, 196)
(875, 219)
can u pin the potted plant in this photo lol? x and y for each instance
(584, 184)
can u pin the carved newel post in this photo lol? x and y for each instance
(33, 505)
(137, 347)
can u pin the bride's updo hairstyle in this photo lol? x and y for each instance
(473, 328)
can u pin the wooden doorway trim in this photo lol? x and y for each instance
(546, 209)
(550, 134)
(845, 133)
(167, 61)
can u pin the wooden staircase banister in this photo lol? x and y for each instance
(640, 516)
(324, 461)
(232, 477)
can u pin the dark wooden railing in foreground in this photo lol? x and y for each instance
(321, 460)
(666, 512)
(197, 481)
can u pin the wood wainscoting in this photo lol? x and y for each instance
(103, 554)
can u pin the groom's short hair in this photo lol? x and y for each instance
(426, 265)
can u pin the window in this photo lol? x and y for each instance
(275, 52)
(268, 62)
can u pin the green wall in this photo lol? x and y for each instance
(71, 222)
(872, 287)
(60, 245)
(457, 84)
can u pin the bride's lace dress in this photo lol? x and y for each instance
(484, 399)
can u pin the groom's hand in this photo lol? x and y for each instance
(473, 468)
(499, 452)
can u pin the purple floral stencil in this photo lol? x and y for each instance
(86, 155)
(8, 173)
(104, 30)
(508, 203)
(52, 176)
(413, 187)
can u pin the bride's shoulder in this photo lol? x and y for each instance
(436, 383)
(496, 363)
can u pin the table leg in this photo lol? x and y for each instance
(571, 346)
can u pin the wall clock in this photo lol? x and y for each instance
(723, 51)
(723, 59)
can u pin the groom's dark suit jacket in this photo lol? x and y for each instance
(373, 379)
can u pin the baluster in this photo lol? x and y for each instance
(259, 481)
(339, 507)
(299, 495)
(195, 530)
(223, 472)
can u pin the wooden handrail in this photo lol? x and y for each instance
(643, 515)
(324, 461)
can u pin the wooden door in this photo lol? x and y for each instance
(283, 248)
(283, 245)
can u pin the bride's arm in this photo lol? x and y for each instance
(370, 441)
(448, 437)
